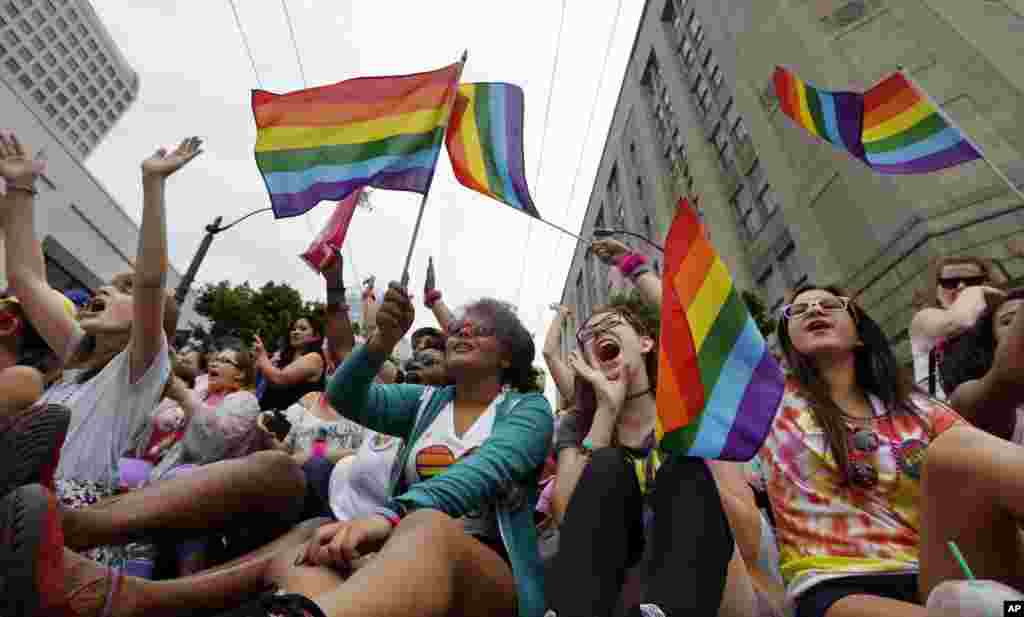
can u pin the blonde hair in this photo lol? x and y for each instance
(926, 296)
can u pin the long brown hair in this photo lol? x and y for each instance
(876, 369)
(926, 296)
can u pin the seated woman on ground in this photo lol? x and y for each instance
(116, 353)
(674, 509)
(960, 289)
(301, 368)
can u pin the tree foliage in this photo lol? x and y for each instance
(244, 311)
(759, 311)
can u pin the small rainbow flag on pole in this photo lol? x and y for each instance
(833, 116)
(718, 385)
(323, 143)
(485, 143)
(906, 133)
(893, 127)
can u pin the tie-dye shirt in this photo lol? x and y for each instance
(826, 530)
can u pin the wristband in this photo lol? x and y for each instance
(392, 517)
(629, 263)
(431, 297)
(587, 446)
(335, 295)
(320, 449)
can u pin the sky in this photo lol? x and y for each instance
(195, 79)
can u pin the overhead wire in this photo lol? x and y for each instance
(305, 83)
(245, 43)
(540, 159)
(583, 150)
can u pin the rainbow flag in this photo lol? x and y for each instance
(485, 143)
(905, 133)
(321, 252)
(323, 143)
(718, 385)
(833, 116)
(898, 129)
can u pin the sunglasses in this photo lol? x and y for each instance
(953, 282)
(862, 473)
(464, 328)
(830, 304)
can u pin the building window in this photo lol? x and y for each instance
(74, 137)
(73, 39)
(93, 115)
(748, 214)
(93, 69)
(26, 55)
(92, 44)
(82, 124)
(38, 43)
(790, 267)
(82, 101)
(73, 88)
(39, 97)
(102, 81)
(61, 74)
(73, 112)
(93, 136)
(639, 188)
(61, 99)
(82, 30)
(83, 148)
(73, 64)
(62, 24)
(83, 78)
(38, 17)
(38, 70)
(50, 59)
(50, 7)
(82, 54)
(12, 37)
(120, 86)
(62, 123)
(110, 71)
(12, 65)
(26, 28)
(72, 14)
(102, 103)
(26, 81)
(703, 97)
(12, 10)
(51, 86)
(92, 92)
(50, 109)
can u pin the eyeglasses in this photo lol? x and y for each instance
(953, 282)
(590, 331)
(224, 360)
(464, 328)
(862, 473)
(424, 360)
(828, 304)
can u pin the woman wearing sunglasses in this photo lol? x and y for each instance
(960, 291)
(651, 534)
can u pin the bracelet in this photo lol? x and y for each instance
(431, 297)
(629, 263)
(640, 270)
(392, 517)
(587, 446)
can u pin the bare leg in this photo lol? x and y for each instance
(267, 483)
(874, 606)
(982, 478)
(441, 571)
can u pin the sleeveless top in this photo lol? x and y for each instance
(280, 397)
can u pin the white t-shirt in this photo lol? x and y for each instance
(359, 483)
(307, 428)
(439, 447)
(107, 412)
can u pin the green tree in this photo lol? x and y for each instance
(244, 312)
(759, 311)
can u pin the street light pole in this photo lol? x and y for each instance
(193, 268)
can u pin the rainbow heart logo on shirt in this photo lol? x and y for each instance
(433, 460)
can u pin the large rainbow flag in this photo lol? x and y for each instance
(323, 143)
(485, 143)
(718, 385)
(893, 127)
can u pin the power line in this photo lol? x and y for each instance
(245, 43)
(583, 148)
(540, 159)
(295, 45)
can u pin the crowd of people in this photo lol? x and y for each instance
(326, 480)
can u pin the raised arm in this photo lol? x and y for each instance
(633, 266)
(341, 338)
(369, 299)
(389, 409)
(990, 403)
(302, 369)
(151, 264)
(970, 305)
(26, 275)
(432, 298)
(560, 371)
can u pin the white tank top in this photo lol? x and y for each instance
(920, 351)
(359, 483)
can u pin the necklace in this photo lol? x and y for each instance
(639, 394)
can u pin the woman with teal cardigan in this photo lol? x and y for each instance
(457, 537)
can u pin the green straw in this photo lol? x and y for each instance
(960, 560)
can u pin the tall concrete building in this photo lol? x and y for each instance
(697, 116)
(65, 66)
(63, 84)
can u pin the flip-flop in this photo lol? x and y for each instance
(30, 444)
(31, 553)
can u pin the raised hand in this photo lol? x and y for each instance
(562, 310)
(259, 351)
(334, 272)
(609, 251)
(163, 163)
(16, 163)
(394, 317)
(610, 389)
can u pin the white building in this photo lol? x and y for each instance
(62, 86)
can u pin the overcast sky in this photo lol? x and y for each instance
(195, 79)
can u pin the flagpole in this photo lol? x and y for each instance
(439, 143)
(998, 172)
(559, 228)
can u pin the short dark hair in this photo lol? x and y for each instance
(424, 332)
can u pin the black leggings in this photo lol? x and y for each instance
(602, 535)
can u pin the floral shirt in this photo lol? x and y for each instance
(828, 530)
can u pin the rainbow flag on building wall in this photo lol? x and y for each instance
(323, 143)
(485, 143)
(893, 127)
(718, 385)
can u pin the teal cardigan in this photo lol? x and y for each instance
(504, 470)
